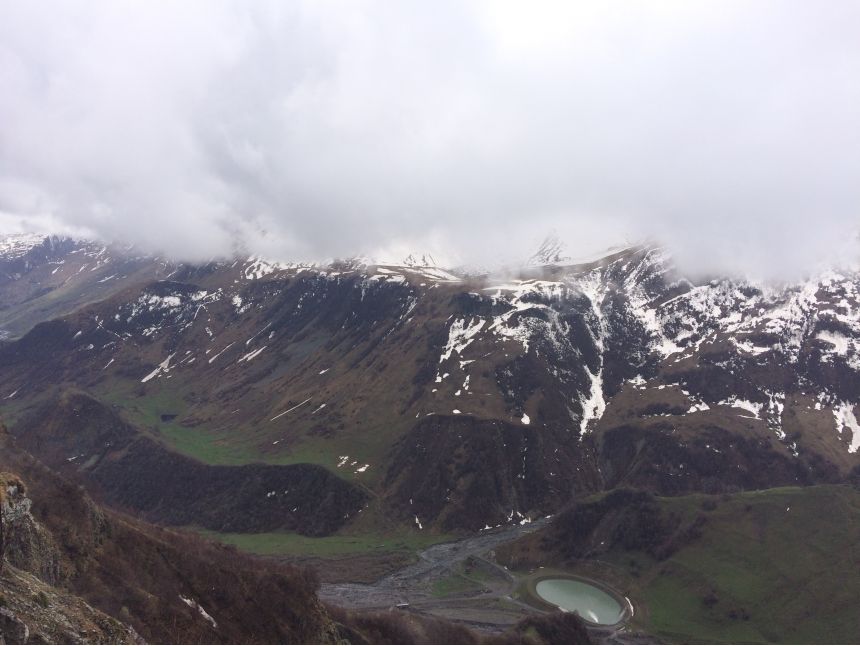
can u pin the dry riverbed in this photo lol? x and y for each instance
(459, 580)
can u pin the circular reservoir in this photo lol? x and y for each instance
(589, 601)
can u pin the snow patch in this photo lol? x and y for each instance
(290, 410)
(220, 353)
(460, 335)
(844, 414)
(196, 606)
(839, 341)
(594, 405)
(743, 404)
(163, 367)
(748, 347)
(249, 356)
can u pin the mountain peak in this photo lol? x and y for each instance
(419, 260)
(17, 244)
(551, 251)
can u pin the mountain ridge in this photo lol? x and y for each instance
(249, 361)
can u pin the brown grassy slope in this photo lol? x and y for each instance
(139, 573)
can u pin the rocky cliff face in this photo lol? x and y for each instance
(32, 608)
(27, 545)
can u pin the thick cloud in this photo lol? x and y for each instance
(729, 130)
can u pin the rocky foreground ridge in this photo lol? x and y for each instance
(34, 609)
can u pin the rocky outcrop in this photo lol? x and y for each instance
(27, 545)
(32, 608)
(12, 629)
(34, 612)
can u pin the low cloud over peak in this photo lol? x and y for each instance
(727, 130)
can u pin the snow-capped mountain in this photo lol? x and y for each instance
(551, 252)
(441, 393)
(14, 246)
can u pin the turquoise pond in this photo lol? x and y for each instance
(592, 603)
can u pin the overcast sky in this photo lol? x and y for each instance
(728, 130)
